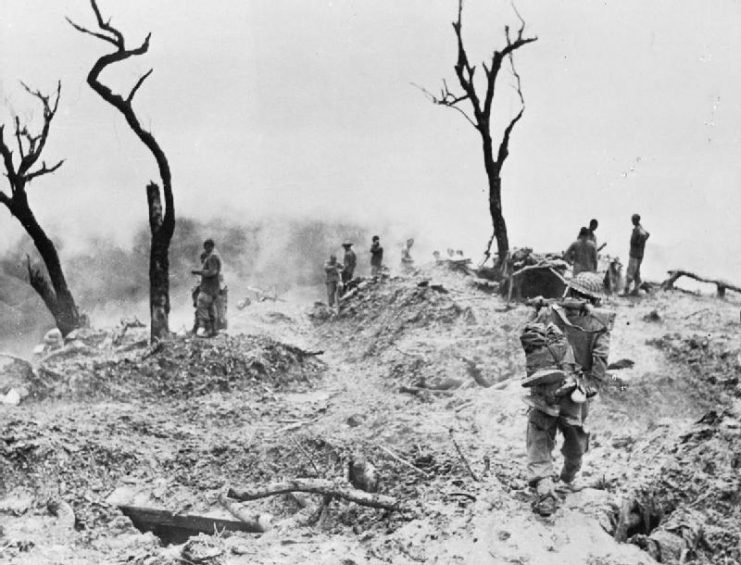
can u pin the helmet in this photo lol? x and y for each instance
(588, 284)
(347, 244)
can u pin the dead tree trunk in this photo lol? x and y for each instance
(56, 296)
(161, 218)
(480, 119)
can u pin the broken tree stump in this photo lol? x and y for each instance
(721, 285)
(327, 487)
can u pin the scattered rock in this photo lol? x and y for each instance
(652, 316)
(355, 420)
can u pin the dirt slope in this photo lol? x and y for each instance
(167, 431)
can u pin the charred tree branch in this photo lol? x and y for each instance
(161, 218)
(34, 152)
(44, 170)
(481, 120)
(56, 295)
(130, 97)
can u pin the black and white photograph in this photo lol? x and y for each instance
(341, 282)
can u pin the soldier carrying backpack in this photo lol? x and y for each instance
(566, 346)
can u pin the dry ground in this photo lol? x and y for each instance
(173, 429)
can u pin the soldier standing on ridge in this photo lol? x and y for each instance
(348, 263)
(332, 270)
(637, 246)
(208, 290)
(563, 377)
(407, 263)
(593, 225)
(582, 253)
(376, 252)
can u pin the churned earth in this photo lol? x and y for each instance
(417, 374)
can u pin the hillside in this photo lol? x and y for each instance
(418, 375)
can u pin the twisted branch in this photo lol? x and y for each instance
(30, 147)
(112, 35)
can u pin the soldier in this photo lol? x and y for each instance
(348, 263)
(637, 246)
(332, 270)
(560, 393)
(208, 290)
(591, 236)
(407, 263)
(582, 253)
(376, 252)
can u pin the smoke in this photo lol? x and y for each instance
(109, 279)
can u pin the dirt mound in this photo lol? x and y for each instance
(377, 312)
(180, 368)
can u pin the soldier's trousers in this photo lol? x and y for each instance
(332, 288)
(541, 439)
(205, 312)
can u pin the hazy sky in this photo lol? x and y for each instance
(307, 107)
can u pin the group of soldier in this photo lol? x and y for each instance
(582, 254)
(339, 275)
(566, 345)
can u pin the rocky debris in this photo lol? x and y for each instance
(689, 506)
(621, 364)
(17, 378)
(181, 367)
(712, 358)
(362, 474)
(652, 316)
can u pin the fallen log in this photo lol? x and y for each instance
(69, 350)
(335, 488)
(302, 353)
(418, 390)
(721, 285)
(255, 522)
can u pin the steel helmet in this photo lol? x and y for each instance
(588, 284)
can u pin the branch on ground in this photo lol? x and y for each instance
(326, 487)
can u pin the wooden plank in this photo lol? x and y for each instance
(177, 528)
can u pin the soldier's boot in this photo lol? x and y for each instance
(546, 500)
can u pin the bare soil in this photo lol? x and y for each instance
(116, 423)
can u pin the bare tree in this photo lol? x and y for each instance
(161, 218)
(56, 296)
(480, 117)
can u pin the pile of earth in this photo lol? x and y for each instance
(421, 330)
(180, 367)
(377, 311)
